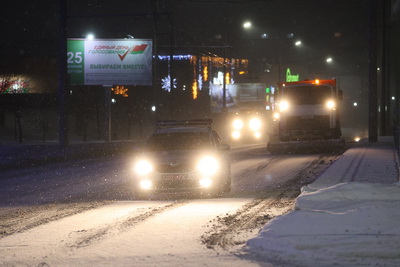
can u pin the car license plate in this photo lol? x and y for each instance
(174, 176)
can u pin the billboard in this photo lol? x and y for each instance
(109, 61)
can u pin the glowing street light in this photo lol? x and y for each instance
(297, 43)
(247, 25)
(329, 60)
(90, 36)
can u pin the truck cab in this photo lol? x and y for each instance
(306, 113)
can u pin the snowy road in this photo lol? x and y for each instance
(84, 213)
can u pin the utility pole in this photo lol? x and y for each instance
(372, 65)
(155, 58)
(385, 67)
(62, 75)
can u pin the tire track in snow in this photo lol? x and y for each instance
(258, 167)
(88, 237)
(235, 229)
(356, 161)
(21, 219)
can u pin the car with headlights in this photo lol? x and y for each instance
(183, 156)
(247, 126)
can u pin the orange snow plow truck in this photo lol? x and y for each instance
(306, 116)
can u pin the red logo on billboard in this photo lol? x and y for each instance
(137, 49)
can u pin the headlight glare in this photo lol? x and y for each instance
(276, 116)
(283, 106)
(255, 124)
(330, 104)
(146, 184)
(238, 124)
(206, 182)
(143, 167)
(208, 166)
(235, 134)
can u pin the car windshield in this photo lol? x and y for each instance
(179, 141)
(307, 95)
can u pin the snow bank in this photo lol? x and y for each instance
(346, 224)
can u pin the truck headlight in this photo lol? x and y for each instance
(208, 166)
(143, 167)
(283, 106)
(330, 104)
(238, 124)
(255, 124)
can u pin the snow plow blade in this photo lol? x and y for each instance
(306, 146)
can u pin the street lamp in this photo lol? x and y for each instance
(297, 43)
(329, 60)
(90, 36)
(247, 25)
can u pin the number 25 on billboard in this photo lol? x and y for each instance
(74, 57)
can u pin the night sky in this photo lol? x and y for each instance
(31, 27)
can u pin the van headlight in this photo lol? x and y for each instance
(208, 166)
(255, 124)
(238, 124)
(143, 167)
(235, 135)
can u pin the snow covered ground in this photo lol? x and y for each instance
(350, 216)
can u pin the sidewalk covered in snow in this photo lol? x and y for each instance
(348, 217)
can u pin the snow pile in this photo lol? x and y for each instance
(347, 224)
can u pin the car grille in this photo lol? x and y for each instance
(174, 168)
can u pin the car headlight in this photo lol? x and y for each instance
(283, 106)
(146, 184)
(238, 124)
(143, 167)
(255, 124)
(208, 166)
(330, 104)
(205, 182)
